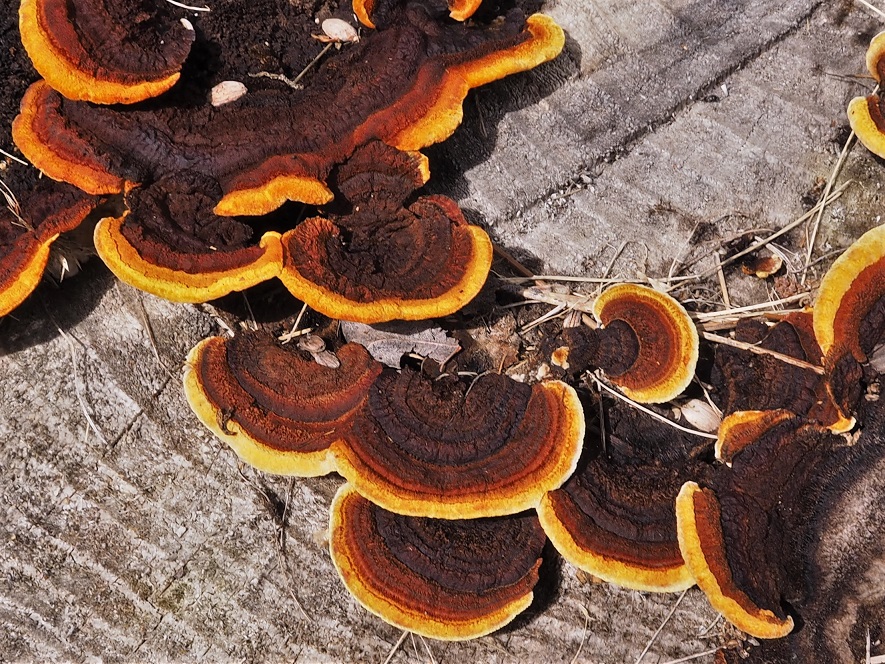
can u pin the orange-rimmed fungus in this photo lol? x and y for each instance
(865, 113)
(741, 532)
(403, 84)
(449, 580)
(746, 381)
(647, 345)
(278, 409)
(384, 261)
(105, 52)
(849, 315)
(453, 449)
(36, 214)
(614, 517)
(170, 244)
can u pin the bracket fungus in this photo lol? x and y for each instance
(105, 51)
(865, 113)
(384, 261)
(30, 222)
(279, 410)
(404, 85)
(450, 580)
(451, 450)
(849, 314)
(741, 532)
(746, 381)
(647, 345)
(170, 244)
(614, 517)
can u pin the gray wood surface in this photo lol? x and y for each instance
(146, 543)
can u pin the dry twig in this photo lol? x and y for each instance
(666, 620)
(758, 350)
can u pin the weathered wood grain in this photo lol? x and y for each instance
(146, 544)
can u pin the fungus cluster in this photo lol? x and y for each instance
(743, 530)
(421, 455)
(199, 179)
(453, 483)
(638, 514)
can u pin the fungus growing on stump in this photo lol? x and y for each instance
(747, 381)
(456, 449)
(648, 345)
(451, 580)
(849, 315)
(404, 85)
(865, 113)
(34, 215)
(384, 261)
(105, 51)
(169, 243)
(742, 532)
(614, 517)
(279, 410)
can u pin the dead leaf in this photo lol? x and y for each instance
(388, 342)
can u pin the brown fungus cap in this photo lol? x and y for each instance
(742, 532)
(849, 315)
(278, 409)
(746, 381)
(648, 344)
(450, 580)
(454, 449)
(614, 517)
(170, 243)
(384, 261)
(404, 85)
(38, 213)
(105, 51)
(60, 151)
(865, 113)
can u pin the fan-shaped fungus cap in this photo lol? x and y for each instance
(738, 534)
(27, 230)
(747, 381)
(170, 244)
(278, 409)
(451, 580)
(276, 145)
(383, 261)
(105, 52)
(849, 315)
(449, 450)
(648, 344)
(865, 113)
(614, 517)
(59, 149)
(541, 41)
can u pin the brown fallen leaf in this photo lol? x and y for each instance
(388, 342)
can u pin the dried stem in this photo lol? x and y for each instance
(648, 411)
(666, 620)
(758, 350)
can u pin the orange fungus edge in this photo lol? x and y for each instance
(176, 285)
